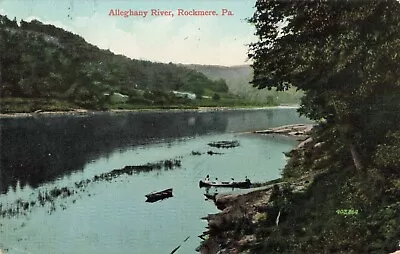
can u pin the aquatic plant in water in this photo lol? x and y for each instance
(43, 197)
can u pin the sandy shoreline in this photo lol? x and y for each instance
(84, 112)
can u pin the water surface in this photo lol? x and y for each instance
(39, 154)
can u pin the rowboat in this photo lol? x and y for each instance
(155, 196)
(243, 185)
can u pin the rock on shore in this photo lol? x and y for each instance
(236, 208)
(294, 130)
(241, 211)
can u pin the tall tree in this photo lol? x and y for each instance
(343, 54)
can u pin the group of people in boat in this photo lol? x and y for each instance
(207, 180)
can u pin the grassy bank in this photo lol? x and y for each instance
(12, 105)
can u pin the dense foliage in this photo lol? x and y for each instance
(43, 61)
(345, 56)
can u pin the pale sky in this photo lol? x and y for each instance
(218, 40)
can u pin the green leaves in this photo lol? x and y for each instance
(387, 152)
(343, 54)
(322, 45)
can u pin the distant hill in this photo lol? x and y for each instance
(39, 61)
(238, 80)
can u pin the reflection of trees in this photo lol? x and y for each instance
(270, 114)
(35, 150)
(249, 120)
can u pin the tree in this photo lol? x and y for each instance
(343, 54)
(216, 97)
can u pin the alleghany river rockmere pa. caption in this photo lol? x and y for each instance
(168, 13)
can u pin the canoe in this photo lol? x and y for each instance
(244, 185)
(155, 196)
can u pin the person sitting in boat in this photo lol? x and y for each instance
(232, 181)
(216, 181)
(207, 180)
(246, 179)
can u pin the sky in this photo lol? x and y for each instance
(211, 40)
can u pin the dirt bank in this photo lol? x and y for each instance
(221, 235)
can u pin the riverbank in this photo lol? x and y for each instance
(11, 105)
(83, 112)
(321, 205)
(233, 229)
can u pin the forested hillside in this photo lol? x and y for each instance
(39, 61)
(345, 56)
(238, 80)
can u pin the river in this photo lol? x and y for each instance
(41, 154)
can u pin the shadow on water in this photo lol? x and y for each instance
(35, 150)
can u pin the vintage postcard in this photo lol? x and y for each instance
(199, 126)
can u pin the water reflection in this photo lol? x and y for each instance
(36, 150)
